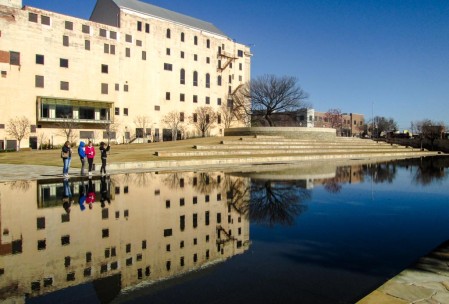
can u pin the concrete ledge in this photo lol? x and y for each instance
(287, 132)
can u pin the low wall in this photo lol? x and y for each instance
(438, 144)
(287, 132)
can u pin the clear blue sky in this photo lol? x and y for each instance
(387, 57)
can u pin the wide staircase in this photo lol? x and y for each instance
(279, 149)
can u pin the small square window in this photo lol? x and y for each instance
(85, 29)
(68, 25)
(103, 33)
(32, 17)
(63, 63)
(104, 88)
(39, 59)
(139, 42)
(104, 68)
(125, 88)
(128, 38)
(157, 108)
(64, 85)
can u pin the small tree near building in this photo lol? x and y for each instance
(142, 123)
(428, 129)
(173, 120)
(203, 119)
(18, 128)
(334, 118)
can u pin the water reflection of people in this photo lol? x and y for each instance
(104, 190)
(90, 199)
(67, 199)
(82, 196)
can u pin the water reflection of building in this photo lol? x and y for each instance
(157, 226)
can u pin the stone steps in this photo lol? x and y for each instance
(271, 148)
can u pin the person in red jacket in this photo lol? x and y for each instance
(90, 153)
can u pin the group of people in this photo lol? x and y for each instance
(84, 152)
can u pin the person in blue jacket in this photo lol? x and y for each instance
(82, 155)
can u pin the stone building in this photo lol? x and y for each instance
(116, 75)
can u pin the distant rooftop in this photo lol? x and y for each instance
(162, 13)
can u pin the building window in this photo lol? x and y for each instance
(219, 80)
(128, 52)
(45, 20)
(207, 80)
(167, 95)
(104, 68)
(207, 100)
(195, 117)
(106, 48)
(139, 42)
(68, 25)
(39, 59)
(182, 37)
(219, 101)
(195, 98)
(103, 33)
(182, 54)
(182, 76)
(208, 43)
(147, 28)
(195, 57)
(144, 55)
(240, 53)
(65, 40)
(168, 66)
(125, 88)
(167, 51)
(39, 81)
(195, 78)
(113, 35)
(64, 85)
(139, 26)
(207, 60)
(182, 97)
(87, 45)
(117, 111)
(32, 17)
(240, 66)
(219, 118)
(125, 111)
(128, 38)
(181, 116)
(168, 34)
(104, 88)
(157, 108)
(117, 87)
(63, 63)
(85, 29)
(195, 40)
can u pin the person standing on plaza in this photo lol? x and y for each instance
(90, 153)
(82, 155)
(104, 156)
(66, 155)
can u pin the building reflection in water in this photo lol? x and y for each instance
(135, 227)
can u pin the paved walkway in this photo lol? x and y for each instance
(425, 282)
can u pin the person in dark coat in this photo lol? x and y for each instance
(66, 155)
(104, 155)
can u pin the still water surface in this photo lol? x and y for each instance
(284, 234)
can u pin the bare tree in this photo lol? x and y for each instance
(334, 118)
(203, 119)
(67, 126)
(271, 94)
(382, 124)
(227, 115)
(173, 121)
(42, 138)
(110, 130)
(18, 128)
(142, 123)
(428, 129)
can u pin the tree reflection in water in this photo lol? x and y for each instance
(275, 202)
(429, 170)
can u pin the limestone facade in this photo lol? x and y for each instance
(93, 74)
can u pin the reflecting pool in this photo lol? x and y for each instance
(270, 234)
